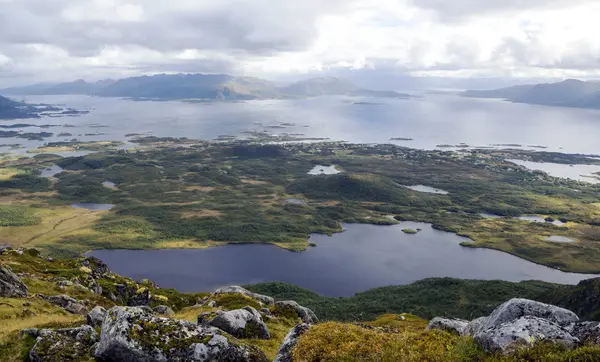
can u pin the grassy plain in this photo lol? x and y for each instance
(171, 193)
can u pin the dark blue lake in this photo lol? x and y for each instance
(362, 257)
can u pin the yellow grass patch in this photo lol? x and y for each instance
(55, 224)
(201, 214)
(200, 188)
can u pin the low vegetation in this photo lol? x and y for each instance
(207, 194)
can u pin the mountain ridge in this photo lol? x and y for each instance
(203, 86)
(568, 93)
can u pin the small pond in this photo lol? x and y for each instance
(559, 239)
(427, 189)
(109, 184)
(51, 171)
(535, 218)
(362, 257)
(324, 170)
(93, 207)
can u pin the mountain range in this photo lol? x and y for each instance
(568, 93)
(203, 86)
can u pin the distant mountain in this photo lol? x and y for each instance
(321, 86)
(77, 87)
(568, 93)
(203, 86)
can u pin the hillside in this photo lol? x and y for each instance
(568, 93)
(203, 86)
(10, 109)
(78, 310)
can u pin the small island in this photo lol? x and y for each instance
(409, 231)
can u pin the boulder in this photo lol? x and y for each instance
(11, 285)
(237, 289)
(96, 316)
(67, 303)
(5, 247)
(307, 315)
(474, 326)
(133, 296)
(517, 308)
(448, 324)
(586, 332)
(164, 310)
(135, 335)
(70, 344)
(285, 351)
(242, 323)
(508, 337)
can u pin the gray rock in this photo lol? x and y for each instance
(307, 315)
(5, 247)
(474, 326)
(11, 285)
(285, 351)
(65, 283)
(265, 312)
(447, 324)
(507, 338)
(67, 303)
(70, 344)
(212, 304)
(135, 335)
(32, 332)
(517, 308)
(96, 316)
(164, 310)
(586, 332)
(242, 323)
(237, 289)
(97, 266)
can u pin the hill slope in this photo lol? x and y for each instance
(568, 93)
(10, 109)
(203, 86)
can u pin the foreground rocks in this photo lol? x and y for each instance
(11, 285)
(307, 315)
(235, 289)
(285, 351)
(70, 344)
(69, 304)
(135, 334)
(520, 323)
(96, 316)
(242, 323)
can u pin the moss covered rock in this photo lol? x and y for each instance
(135, 334)
(63, 345)
(242, 323)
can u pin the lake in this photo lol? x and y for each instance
(429, 121)
(362, 257)
(586, 173)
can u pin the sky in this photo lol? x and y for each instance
(58, 40)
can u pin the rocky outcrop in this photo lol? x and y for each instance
(520, 323)
(164, 310)
(285, 351)
(11, 285)
(474, 326)
(133, 296)
(508, 337)
(586, 332)
(70, 344)
(97, 266)
(242, 323)
(96, 316)
(307, 315)
(516, 308)
(237, 289)
(136, 335)
(67, 303)
(447, 324)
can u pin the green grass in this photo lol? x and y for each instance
(18, 216)
(427, 298)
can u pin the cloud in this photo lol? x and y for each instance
(64, 39)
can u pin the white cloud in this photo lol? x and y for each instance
(45, 40)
